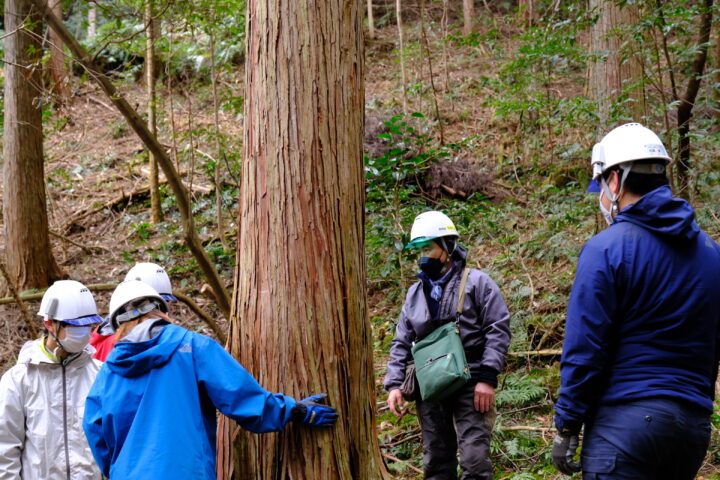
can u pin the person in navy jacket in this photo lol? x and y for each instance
(641, 346)
(151, 413)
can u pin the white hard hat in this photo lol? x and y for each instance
(628, 143)
(70, 302)
(155, 276)
(429, 226)
(132, 299)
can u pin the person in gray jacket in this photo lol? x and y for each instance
(42, 398)
(463, 419)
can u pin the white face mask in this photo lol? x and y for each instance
(607, 214)
(76, 338)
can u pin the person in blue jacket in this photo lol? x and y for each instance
(642, 339)
(151, 412)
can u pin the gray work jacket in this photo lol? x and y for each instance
(484, 324)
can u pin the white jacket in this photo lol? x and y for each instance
(41, 410)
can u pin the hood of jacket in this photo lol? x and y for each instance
(135, 359)
(661, 213)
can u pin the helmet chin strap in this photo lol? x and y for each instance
(612, 196)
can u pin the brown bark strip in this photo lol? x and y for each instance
(131, 116)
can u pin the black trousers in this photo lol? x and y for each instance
(451, 424)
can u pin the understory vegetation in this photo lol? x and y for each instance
(499, 138)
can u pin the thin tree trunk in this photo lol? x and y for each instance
(614, 74)
(403, 77)
(219, 149)
(446, 54)
(426, 45)
(156, 213)
(526, 9)
(300, 321)
(58, 70)
(371, 20)
(191, 237)
(468, 16)
(28, 252)
(687, 101)
(92, 22)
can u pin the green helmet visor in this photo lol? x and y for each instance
(420, 242)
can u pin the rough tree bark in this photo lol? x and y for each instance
(614, 70)
(58, 70)
(156, 214)
(300, 321)
(30, 262)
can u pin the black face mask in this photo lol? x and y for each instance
(432, 267)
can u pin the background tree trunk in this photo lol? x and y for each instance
(401, 41)
(150, 75)
(92, 22)
(300, 321)
(526, 9)
(614, 71)
(468, 16)
(58, 70)
(371, 20)
(29, 256)
(687, 101)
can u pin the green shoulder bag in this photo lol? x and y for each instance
(440, 364)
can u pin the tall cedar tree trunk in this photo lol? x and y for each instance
(614, 71)
(687, 101)
(299, 320)
(61, 86)
(150, 76)
(29, 256)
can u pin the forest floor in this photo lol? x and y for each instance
(99, 215)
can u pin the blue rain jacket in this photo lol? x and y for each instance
(151, 411)
(644, 314)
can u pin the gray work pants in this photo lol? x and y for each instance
(454, 423)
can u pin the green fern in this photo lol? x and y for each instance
(518, 390)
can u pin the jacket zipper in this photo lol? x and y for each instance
(65, 429)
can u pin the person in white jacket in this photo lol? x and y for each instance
(42, 398)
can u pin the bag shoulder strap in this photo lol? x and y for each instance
(461, 292)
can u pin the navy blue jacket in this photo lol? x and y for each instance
(644, 314)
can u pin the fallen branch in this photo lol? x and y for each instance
(153, 145)
(541, 353)
(16, 297)
(85, 248)
(528, 428)
(395, 459)
(401, 441)
(125, 197)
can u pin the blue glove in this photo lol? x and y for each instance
(309, 411)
